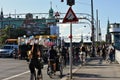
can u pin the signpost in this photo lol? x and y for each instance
(70, 17)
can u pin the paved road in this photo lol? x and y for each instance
(11, 69)
(95, 69)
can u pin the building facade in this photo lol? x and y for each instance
(114, 34)
(32, 25)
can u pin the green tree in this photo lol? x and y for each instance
(9, 32)
(4, 34)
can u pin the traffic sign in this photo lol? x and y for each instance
(70, 16)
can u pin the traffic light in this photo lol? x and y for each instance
(91, 38)
(62, 0)
(70, 2)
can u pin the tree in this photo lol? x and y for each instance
(9, 32)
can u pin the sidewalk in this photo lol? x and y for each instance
(96, 69)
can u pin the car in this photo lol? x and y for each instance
(8, 50)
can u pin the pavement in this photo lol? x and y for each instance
(96, 69)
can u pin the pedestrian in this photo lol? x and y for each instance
(111, 55)
(98, 51)
(36, 55)
(64, 54)
(77, 54)
(52, 58)
(110, 52)
(104, 52)
(82, 54)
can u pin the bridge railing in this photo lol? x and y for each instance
(117, 55)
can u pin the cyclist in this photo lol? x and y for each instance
(35, 62)
(52, 58)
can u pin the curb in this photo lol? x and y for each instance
(66, 77)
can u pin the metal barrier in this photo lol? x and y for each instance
(117, 56)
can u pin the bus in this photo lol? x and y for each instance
(11, 41)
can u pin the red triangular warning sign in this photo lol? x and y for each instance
(70, 16)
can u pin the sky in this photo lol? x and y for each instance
(107, 9)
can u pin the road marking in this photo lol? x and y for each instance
(16, 75)
(11, 77)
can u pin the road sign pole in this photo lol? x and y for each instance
(70, 55)
(70, 17)
(93, 36)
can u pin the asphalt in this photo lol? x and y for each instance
(95, 69)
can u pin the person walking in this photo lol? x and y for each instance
(77, 50)
(98, 51)
(64, 54)
(104, 52)
(35, 56)
(52, 56)
(82, 54)
(110, 53)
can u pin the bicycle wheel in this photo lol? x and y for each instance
(49, 71)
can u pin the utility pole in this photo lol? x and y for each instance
(100, 38)
(97, 29)
(93, 35)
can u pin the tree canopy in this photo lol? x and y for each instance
(9, 32)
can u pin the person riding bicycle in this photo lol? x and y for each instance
(35, 62)
(52, 58)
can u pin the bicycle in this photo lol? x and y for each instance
(59, 67)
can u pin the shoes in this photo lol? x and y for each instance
(54, 72)
(39, 77)
(31, 76)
